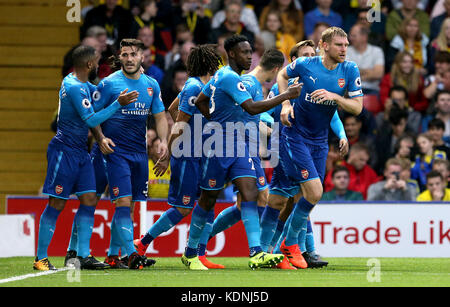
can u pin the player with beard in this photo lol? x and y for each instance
(304, 142)
(123, 142)
(221, 101)
(70, 170)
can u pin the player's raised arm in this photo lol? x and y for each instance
(291, 92)
(173, 108)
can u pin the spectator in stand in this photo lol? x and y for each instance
(333, 157)
(182, 36)
(363, 15)
(150, 68)
(352, 126)
(114, 18)
(369, 58)
(410, 39)
(436, 22)
(273, 26)
(291, 17)
(158, 187)
(192, 13)
(223, 53)
(361, 174)
(442, 41)
(146, 18)
(436, 129)
(232, 24)
(424, 161)
(393, 187)
(171, 90)
(398, 96)
(406, 175)
(388, 136)
(436, 188)
(340, 192)
(317, 34)
(443, 167)
(441, 111)
(322, 13)
(440, 80)
(248, 18)
(408, 10)
(404, 148)
(404, 73)
(146, 35)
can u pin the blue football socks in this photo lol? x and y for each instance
(47, 226)
(198, 221)
(124, 228)
(250, 219)
(166, 221)
(298, 222)
(226, 219)
(268, 226)
(84, 224)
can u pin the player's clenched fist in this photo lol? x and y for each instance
(127, 98)
(294, 90)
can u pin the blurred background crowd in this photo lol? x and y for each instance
(399, 144)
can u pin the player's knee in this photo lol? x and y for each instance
(57, 203)
(184, 211)
(314, 196)
(249, 194)
(277, 202)
(89, 199)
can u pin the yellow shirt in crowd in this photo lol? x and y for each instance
(426, 196)
(158, 187)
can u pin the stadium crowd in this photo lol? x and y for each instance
(399, 144)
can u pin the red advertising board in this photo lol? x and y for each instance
(231, 243)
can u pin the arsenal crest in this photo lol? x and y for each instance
(150, 91)
(212, 183)
(262, 181)
(305, 174)
(59, 189)
(186, 199)
(116, 191)
(341, 83)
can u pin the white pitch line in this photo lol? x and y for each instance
(22, 277)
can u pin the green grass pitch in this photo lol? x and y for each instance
(170, 272)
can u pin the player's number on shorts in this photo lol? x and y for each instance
(213, 103)
(250, 160)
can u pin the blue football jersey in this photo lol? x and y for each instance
(128, 126)
(75, 107)
(226, 92)
(312, 119)
(192, 88)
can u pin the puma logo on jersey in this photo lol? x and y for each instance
(313, 79)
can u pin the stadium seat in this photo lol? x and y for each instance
(372, 104)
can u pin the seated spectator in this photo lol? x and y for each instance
(291, 17)
(223, 53)
(146, 35)
(404, 73)
(404, 147)
(436, 188)
(150, 68)
(322, 13)
(441, 110)
(440, 80)
(114, 18)
(362, 15)
(317, 34)
(183, 36)
(405, 175)
(423, 162)
(436, 129)
(248, 18)
(340, 192)
(436, 22)
(443, 167)
(192, 13)
(409, 9)
(146, 17)
(369, 58)
(442, 41)
(158, 187)
(388, 136)
(398, 96)
(361, 174)
(352, 126)
(232, 24)
(393, 187)
(171, 89)
(273, 26)
(412, 40)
